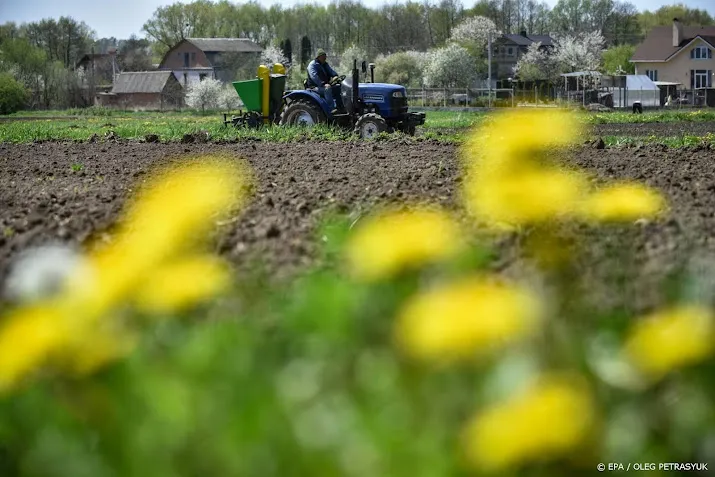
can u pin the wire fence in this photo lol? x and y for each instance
(544, 96)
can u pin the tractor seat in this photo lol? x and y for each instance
(307, 85)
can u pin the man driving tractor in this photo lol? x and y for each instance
(320, 74)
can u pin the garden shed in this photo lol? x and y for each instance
(152, 90)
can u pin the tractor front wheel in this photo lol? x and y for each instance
(370, 125)
(302, 113)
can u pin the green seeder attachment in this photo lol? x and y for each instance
(250, 93)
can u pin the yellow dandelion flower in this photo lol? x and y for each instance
(522, 131)
(181, 203)
(175, 211)
(670, 339)
(549, 419)
(623, 202)
(466, 318)
(392, 241)
(180, 285)
(524, 198)
(27, 338)
(177, 208)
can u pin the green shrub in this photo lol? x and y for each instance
(13, 94)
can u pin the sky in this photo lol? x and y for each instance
(108, 19)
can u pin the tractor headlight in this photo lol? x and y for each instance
(398, 94)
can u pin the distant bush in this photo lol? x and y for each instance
(449, 67)
(13, 94)
(353, 52)
(204, 95)
(403, 68)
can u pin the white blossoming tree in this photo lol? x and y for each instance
(204, 94)
(538, 64)
(570, 53)
(580, 53)
(450, 67)
(351, 53)
(228, 99)
(403, 68)
(473, 34)
(272, 55)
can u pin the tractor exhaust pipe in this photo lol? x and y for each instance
(372, 72)
(356, 95)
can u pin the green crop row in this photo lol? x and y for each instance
(440, 125)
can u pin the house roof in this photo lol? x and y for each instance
(141, 82)
(527, 40)
(658, 45)
(233, 45)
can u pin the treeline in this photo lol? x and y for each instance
(406, 26)
(42, 56)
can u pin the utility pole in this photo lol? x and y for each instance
(489, 60)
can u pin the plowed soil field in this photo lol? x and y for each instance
(44, 199)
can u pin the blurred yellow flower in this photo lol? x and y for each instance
(176, 211)
(151, 262)
(505, 184)
(392, 241)
(27, 337)
(547, 420)
(670, 339)
(524, 198)
(465, 319)
(516, 132)
(180, 285)
(622, 202)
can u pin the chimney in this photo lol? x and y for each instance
(677, 32)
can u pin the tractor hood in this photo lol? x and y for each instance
(380, 91)
(390, 100)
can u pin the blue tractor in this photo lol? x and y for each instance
(369, 108)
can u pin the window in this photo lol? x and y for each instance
(701, 53)
(510, 51)
(193, 58)
(701, 78)
(652, 74)
(186, 79)
(186, 60)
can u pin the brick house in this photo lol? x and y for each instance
(508, 49)
(193, 59)
(678, 54)
(145, 90)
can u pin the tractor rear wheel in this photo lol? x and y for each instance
(370, 125)
(302, 113)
